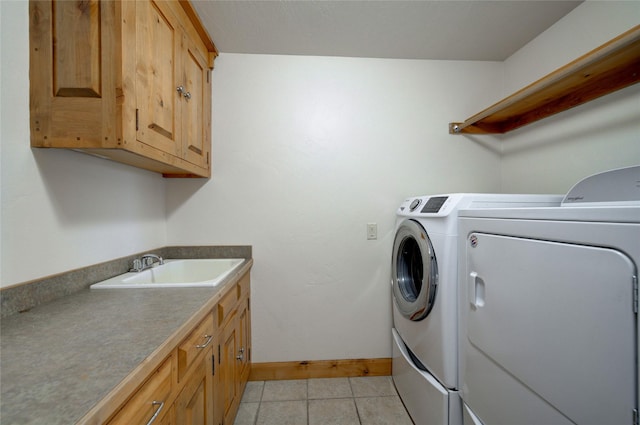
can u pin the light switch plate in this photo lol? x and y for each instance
(372, 231)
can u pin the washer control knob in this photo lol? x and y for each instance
(414, 204)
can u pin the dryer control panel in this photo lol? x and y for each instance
(610, 188)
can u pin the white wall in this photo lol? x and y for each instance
(551, 155)
(307, 151)
(60, 209)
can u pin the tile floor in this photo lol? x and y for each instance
(331, 401)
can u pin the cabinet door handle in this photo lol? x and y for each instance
(187, 95)
(180, 89)
(160, 405)
(209, 338)
(240, 355)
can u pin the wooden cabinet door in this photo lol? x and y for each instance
(196, 104)
(73, 78)
(228, 371)
(158, 43)
(194, 405)
(244, 333)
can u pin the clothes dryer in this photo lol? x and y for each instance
(424, 288)
(548, 308)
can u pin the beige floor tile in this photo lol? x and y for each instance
(382, 411)
(372, 386)
(330, 401)
(285, 390)
(329, 388)
(282, 413)
(247, 413)
(335, 411)
(252, 392)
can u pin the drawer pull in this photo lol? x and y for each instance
(209, 338)
(160, 405)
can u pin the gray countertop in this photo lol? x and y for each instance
(59, 359)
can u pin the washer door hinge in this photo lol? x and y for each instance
(635, 295)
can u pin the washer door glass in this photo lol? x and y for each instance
(414, 271)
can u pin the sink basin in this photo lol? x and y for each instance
(176, 274)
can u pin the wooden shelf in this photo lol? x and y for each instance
(610, 67)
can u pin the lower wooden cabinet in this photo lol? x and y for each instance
(235, 349)
(202, 380)
(228, 376)
(195, 404)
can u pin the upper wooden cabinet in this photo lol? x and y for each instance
(125, 80)
(610, 67)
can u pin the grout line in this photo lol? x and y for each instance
(353, 397)
(307, 399)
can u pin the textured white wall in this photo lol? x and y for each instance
(60, 209)
(553, 154)
(306, 152)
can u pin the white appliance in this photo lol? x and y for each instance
(548, 308)
(424, 287)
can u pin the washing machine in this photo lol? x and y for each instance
(549, 308)
(424, 288)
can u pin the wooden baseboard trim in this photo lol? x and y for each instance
(320, 369)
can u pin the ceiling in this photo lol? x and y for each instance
(401, 29)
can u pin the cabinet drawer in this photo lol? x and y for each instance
(194, 344)
(227, 304)
(150, 400)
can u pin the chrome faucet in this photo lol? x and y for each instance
(145, 262)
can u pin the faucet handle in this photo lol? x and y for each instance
(137, 265)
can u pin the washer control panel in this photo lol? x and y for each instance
(425, 205)
(433, 204)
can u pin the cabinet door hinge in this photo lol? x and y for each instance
(218, 353)
(137, 119)
(213, 364)
(635, 294)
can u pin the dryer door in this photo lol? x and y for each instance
(414, 271)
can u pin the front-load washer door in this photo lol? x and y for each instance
(414, 271)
